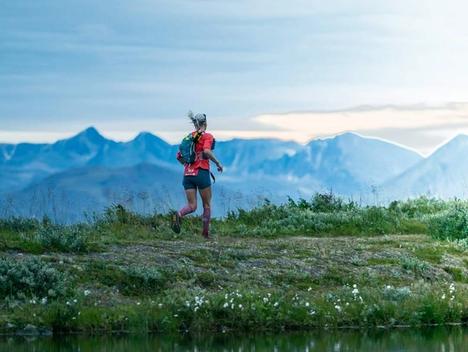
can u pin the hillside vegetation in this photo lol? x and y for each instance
(304, 264)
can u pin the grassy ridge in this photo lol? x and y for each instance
(324, 262)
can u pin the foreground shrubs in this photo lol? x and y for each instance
(451, 224)
(324, 214)
(30, 278)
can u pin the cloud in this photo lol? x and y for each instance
(420, 127)
(19, 136)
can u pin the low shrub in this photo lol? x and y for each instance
(19, 224)
(20, 279)
(451, 224)
(418, 207)
(414, 265)
(131, 280)
(143, 280)
(63, 238)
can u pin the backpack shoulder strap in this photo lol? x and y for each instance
(197, 137)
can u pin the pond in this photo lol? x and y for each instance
(443, 339)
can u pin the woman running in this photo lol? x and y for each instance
(197, 175)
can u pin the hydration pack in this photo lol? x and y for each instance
(187, 148)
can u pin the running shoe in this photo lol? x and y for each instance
(175, 225)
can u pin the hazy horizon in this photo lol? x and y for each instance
(105, 135)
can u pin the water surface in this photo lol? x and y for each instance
(443, 339)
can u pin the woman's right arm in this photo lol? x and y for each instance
(208, 153)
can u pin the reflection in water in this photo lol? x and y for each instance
(440, 339)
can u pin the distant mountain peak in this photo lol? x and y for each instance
(147, 138)
(459, 138)
(145, 135)
(350, 136)
(452, 147)
(91, 134)
(345, 136)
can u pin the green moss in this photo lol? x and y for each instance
(207, 279)
(382, 261)
(457, 274)
(430, 254)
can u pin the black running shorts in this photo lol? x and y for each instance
(201, 181)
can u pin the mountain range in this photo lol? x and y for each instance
(87, 172)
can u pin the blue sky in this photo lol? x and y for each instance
(127, 66)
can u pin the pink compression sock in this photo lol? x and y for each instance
(206, 221)
(186, 210)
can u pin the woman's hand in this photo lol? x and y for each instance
(220, 167)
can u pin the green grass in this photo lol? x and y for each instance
(272, 268)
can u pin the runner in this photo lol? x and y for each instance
(197, 175)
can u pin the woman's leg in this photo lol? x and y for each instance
(206, 199)
(191, 206)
